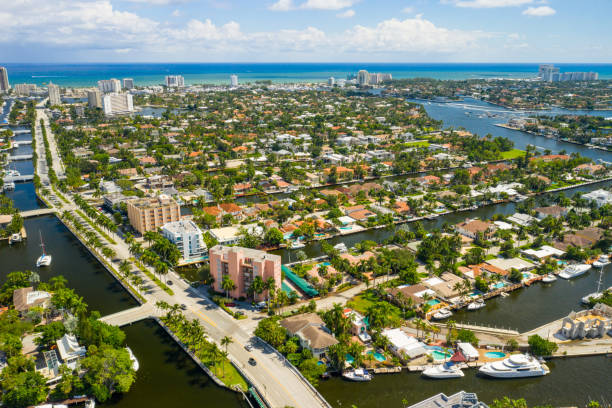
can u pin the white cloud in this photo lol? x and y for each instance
(159, 2)
(488, 3)
(286, 5)
(541, 11)
(176, 13)
(408, 10)
(346, 14)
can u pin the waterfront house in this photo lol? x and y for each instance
(469, 351)
(359, 324)
(415, 292)
(584, 238)
(599, 197)
(310, 329)
(554, 211)
(471, 228)
(70, 350)
(404, 346)
(444, 285)
(543, 253)
(25, 299)
(523, 220)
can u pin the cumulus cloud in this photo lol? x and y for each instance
(408, 10)
(286, 5)
(346, 14)
(541, 11)
(159, 2)
(488, 3)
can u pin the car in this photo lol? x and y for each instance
(239, 313)
(248, 347)
(230, 304)
(169, 283)
(252, 361)
(183, 306)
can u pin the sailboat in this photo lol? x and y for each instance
(595, 295)
(45, 258)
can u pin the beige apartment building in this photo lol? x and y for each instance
(151, 213)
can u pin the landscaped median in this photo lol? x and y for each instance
(94, 226)
(154, 278)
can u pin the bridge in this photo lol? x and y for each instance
(20, 157)
(21, 143)
(129, 316)
(36, 213)
(25, 177)
(21, 131)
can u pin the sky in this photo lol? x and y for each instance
(400, 31)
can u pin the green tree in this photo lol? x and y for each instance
(107, 370)
(50, 334)
(24, 389)
(540, 346)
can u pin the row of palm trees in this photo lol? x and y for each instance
(194, 337)
(94, 214)
(93, 240)
(147, 256)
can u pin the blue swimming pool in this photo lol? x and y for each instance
(377, 356)
(349, 359)
(433, 302)
(499, 285)
(495, 354)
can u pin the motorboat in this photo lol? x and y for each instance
(549, 278)
(358, 374)
(575, 270)
(442, 314)
(9, 185)
(515, 366)
(504, 294)
(15, 238)
(440, 371)
(479, 304)
(341, 247)
(45, 258)
(135, 364)
(602, 261)
(297, 245)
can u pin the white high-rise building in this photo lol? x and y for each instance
(128, 83)
(54, 94)
(187, 237)
(25, 89)
(363, 77)
(94, 98)
(175, 81)
(116, 104)
(109, 85)
(4, 82)
(234, 80)
(331, 81)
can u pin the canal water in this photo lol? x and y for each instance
(571, 382)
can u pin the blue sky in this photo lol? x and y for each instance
(306, 31)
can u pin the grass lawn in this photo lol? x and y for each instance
(232, 376)
(417, 144)
(512, 154)
(364, 300)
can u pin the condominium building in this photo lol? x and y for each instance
(242, 266)
(187, 237)
(128, 83)
(175, 81)
(363, 77)
(331, 81)
(54, 94)
(25, 89)
(234, 80)
(116, 104)
(151, 213)
(94, 98)
(4, 82)
(109, 85)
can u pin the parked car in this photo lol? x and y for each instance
(230, 304)
(183, 306)
(248, 347)
(252, 361)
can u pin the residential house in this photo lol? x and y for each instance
(554, 211)
(471, 228)
(25, 299)
(311, 331)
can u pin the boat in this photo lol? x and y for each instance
(597, 294)
(15, 238)
(341, 247)
(549, 278)
(515, 366)
(479, 304)
(504, 294)
(9, 185)
(602, 261)
(446, 370)
(442, 314)
(135, 364)
(575, 270)
(358, 374)
(297, 245)
(45, 258)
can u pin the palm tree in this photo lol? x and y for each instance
(226, 341)
(227, 284)
(269, 286)
(125, 268)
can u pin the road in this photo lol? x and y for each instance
(275, 379)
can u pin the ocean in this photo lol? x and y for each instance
(85, 75)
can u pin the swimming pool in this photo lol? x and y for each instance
(526, 275)
(495, 354)
(498, 285)
(349, 359)
(377, 356)
(439, 355)
(433, 302)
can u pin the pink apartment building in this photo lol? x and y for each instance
(243, 265)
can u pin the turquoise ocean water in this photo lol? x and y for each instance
(82, 75)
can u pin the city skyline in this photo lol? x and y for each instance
(305, 30)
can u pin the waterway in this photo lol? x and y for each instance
(571, 382)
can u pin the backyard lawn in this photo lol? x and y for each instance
(512, 154)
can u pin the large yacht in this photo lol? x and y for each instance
(602, 261)
(446, 370)
(515, 366)
(573, 271)
(358, 374)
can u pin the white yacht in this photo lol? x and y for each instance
(442, 314)
(358, 374)
(515, 366)
(341, 247)
(479, 304)
(573, 271)
(549, 278)
(45, 258)
(446, 370)
(9, 185)
(602, 261)
(297, 245)
(135, 364)
(598, 293)
(15, 238)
